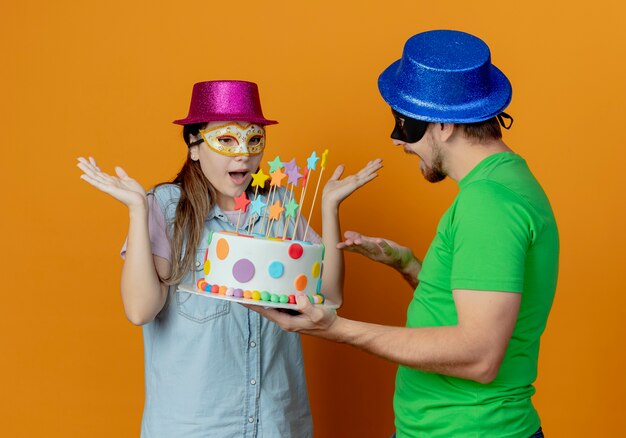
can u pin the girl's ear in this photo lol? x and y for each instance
(193, 153)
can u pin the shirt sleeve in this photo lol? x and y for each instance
(159, 242)
(490, 237)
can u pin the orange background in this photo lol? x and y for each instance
(106, 79)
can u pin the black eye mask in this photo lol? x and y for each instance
(408, 130)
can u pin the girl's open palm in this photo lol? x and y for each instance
(336, 190)
(122, 187)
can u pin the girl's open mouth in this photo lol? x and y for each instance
(238, 177)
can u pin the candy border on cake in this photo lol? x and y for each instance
(254, 295)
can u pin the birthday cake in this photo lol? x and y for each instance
(262, 269)
(252, 266)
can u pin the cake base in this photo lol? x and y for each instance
(192, 289)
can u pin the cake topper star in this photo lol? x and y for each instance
(275, 164)
(276, 210)
(259, 179)
(290, 165)
(294, 175)
(319, 179)
(277, 178)
(257, 206)
(312, 161)
(324, 158)
(305, 176)
(241, 202)
(290, 208)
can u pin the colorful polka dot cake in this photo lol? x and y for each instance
(238, 265)
(262, 269)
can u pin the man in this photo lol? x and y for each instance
(468, 354)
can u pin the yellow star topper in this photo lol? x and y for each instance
(324, 158)
(259, 179)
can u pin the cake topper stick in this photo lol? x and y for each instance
(275, 212)
(311, 164)
(293, 171)
(319, 179)
(270, 199)
(277, 181)
(256, 209)
(255, 212)
(302, 195)
(241, 204)
(285, 203)
(285, 194)
(291, 206)
(250, 222)
(290, 212)
(265, 213)
(238, 219)
(249, 219)
(275, 164)
(258, 180)
(270, 227)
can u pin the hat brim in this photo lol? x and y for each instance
(467, 112)
(226, 118)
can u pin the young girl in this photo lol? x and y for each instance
(214, 368)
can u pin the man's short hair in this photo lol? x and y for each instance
(482, 131)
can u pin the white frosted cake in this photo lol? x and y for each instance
(260, 268)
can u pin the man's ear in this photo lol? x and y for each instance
(446, 130)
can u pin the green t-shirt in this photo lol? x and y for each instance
(498, 235)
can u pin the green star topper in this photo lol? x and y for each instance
(290, 208)
(275, 164)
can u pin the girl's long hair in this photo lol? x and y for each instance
(196, 201)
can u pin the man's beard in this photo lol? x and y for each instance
(434, 173)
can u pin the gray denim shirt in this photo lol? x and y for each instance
(216, 369)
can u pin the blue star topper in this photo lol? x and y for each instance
(312, 161)
(257, 206)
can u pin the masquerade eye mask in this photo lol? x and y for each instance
(234, 139)
(411, 130)
(407, 129)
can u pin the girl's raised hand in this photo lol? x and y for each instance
(122, 187)
(336, 190)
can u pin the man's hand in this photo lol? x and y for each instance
(312, 320)
(384, 251)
